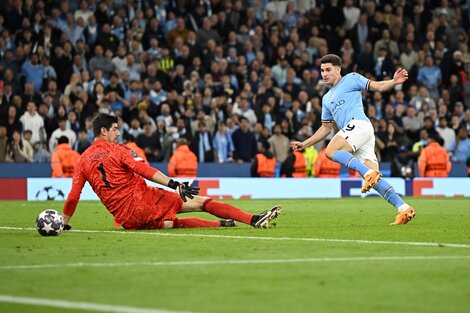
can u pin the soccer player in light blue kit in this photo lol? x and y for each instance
(353, 146)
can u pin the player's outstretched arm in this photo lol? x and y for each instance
(71, 202)
(400, 76)
(184, 190)
(320, 134)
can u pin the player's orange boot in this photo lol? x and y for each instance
(404, 217)
(370, 179)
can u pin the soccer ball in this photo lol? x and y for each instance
(49, 223)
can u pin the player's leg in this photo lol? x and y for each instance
(405, 212)
(227, 211)
(159, 210)
(346, 142)
(193, 222)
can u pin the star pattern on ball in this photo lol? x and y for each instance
(48, 227)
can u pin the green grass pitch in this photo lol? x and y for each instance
(322, 256)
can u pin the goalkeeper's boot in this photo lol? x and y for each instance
(404, 217)
(228, 223)
(370, 179)
(262, 220)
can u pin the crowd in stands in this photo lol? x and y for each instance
(226, 75)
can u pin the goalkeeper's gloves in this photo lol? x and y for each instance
(184, 190)
(67, 227)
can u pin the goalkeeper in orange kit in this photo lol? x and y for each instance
(117, 174)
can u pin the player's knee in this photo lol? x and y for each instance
(330, 152)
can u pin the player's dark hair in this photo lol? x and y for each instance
(103, 120)
(331, 58)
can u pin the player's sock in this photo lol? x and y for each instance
(389, 194)
(193, 222)
(226, 211)
(347, 159)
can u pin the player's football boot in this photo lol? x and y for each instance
(370, 179)
(404, 217)
(228, 223)
(263, 219)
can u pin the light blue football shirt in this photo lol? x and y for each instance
(343, 102)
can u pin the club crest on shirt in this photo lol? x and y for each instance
(134, 154)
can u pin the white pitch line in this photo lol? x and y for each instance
(87, 306)
(170, 234)
(238, 262)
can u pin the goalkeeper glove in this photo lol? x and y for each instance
(184, 190)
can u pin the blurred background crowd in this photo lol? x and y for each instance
(226, 75)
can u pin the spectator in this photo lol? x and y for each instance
(402, 164)
(461, 146)
(430, 76)
(34, 71)
(29, 95)
(202, 144)
(223, 144)
(388, 44)
(279, 144)
(4, 105)
(12, 121)
(206, 33)
(383, 64)
(179, 31)
(40, 153)
(19, 150)
(244, 142)
(90, 32)
(242, 109)
(120, 60)
(423, 100)
(361, 33)
(183, 162)
(446, 133)
(365, 59)
(434, 160)
(101, 62)
(108, 41)
(264, 164)
(351, 15)
(279, 71)
(27, 134)
(466, 121)
(8, 91)
(3, 143)
(82, 142)
(149, 142)
(135, 128)
(32, 121)
(84, 11)
(409, 57)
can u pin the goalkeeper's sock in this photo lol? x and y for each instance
(193, 222)
(226, 211)
(347, 159)
(389, 194)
